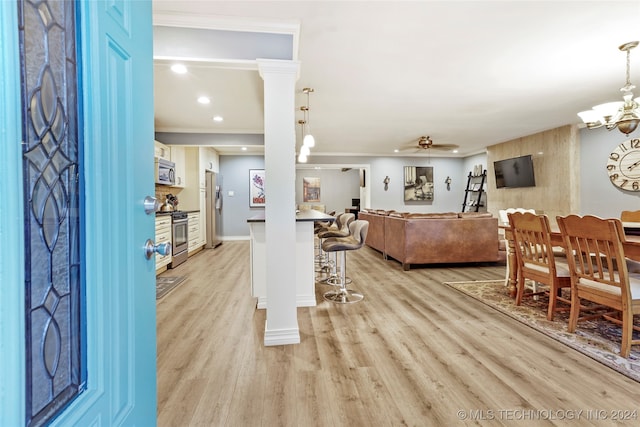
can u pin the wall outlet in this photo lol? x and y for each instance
(230, 193)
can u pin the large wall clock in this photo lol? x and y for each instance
(623, 165)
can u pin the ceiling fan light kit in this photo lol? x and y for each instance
(625, 114)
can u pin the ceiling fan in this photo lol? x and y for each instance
(426, 143)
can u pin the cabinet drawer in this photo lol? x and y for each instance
(162, 260)
(163, 237)
(193, 243)
(163, 221)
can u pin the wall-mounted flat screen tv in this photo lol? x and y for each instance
(515, 172)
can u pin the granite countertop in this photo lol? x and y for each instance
(309, 215)
(161, 213)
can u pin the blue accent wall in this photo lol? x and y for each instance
(597, 195)
(236, 210)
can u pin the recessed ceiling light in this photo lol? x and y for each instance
(244, 148)
(455, 151)
(179, 69)
(396, 151)
(217, 119)
(204, 100)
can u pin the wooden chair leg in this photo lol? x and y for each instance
(574, 313)
(627, 330)
(553, 292)
(520, 289)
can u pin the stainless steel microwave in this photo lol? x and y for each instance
(165, 172)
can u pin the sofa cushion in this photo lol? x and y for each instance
(445, 215)
(475, 214)
(399, 214)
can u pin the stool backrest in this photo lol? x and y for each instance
(359, 229)
(343, 220)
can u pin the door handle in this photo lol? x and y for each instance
(151, 248)
(151, 205)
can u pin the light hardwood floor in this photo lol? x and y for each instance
(414, 352)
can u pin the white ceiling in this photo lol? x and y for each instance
(472, 73)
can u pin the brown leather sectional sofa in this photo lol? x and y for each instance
(433, 238)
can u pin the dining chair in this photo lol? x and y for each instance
(594, 245)
(630, 216)
(536, 259)
(503, 216)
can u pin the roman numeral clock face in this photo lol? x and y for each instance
(623, 165)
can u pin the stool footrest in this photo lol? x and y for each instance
(343, 296)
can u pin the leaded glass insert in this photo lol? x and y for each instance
(51, 169)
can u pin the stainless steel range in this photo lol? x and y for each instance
(179, 238)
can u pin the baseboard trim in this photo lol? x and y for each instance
(281, 336)
(301, 301)
(231, 238)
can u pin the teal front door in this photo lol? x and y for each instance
(118, 304)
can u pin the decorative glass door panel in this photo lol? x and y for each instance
(52, 183)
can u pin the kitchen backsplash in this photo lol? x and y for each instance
(163, 190)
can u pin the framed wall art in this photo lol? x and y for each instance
(311, 189)
(256, 188)
(418, 183)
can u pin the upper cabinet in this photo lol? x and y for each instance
(161, 150)
(178, 157)
(207, 160)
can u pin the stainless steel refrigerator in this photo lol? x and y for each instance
(213, 209)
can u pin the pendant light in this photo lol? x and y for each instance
(302, 157)
(308, 139)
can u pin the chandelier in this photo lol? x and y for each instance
(625, 115)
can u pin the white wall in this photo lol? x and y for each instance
(337, 187)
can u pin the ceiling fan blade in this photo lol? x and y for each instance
(444, 146)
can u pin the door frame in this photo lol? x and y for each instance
(12, 347)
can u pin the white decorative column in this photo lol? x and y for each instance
(280, 216)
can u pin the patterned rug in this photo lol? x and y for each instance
(598, 338)
(165, 284)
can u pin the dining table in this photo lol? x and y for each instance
(631, 246)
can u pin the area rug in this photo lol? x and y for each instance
(165, 284)
(598, 339)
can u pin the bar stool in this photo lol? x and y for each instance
(318, 226)
(341, 245)
(343, 221)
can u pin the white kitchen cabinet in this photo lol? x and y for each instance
(208, 160)
(197, 161)
(195, 242)
(178, 157)
(161, 150)
(163, 235)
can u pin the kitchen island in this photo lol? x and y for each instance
(304, 262)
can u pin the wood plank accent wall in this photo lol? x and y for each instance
(556, 164)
